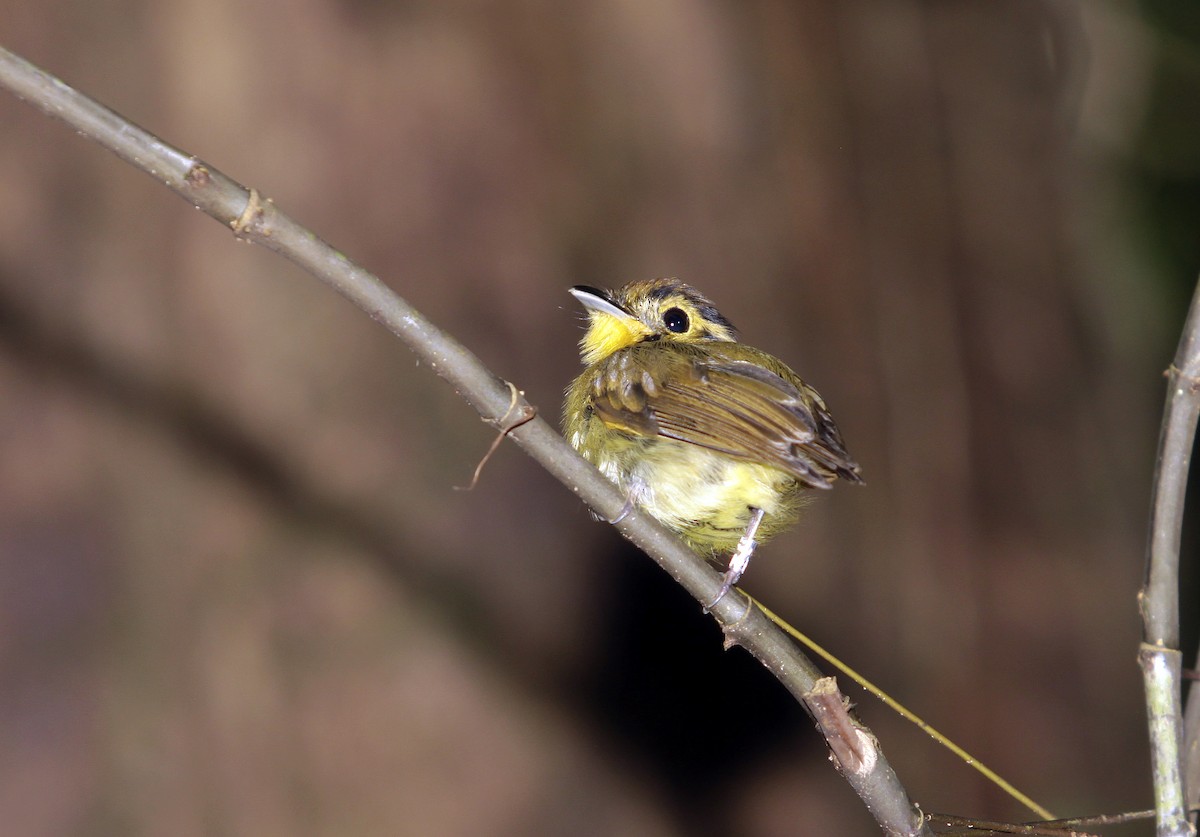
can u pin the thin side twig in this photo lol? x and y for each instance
(1159, 655)
(255, 219)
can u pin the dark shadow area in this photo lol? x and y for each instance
(698, 714)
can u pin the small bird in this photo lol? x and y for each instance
(715, 439)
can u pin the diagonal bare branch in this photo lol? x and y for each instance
(255, 219)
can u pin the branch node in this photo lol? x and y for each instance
(852, 748)
(252, 214)
(198, 176)
(1173, 372)
(525, 414)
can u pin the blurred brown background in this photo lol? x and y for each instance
(238, 592)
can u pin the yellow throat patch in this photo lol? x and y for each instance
(608, 333)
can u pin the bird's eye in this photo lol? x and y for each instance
(675, 320)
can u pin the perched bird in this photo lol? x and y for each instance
(715, 439)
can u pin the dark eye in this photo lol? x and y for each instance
(675, 320)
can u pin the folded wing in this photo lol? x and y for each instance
(742, 408)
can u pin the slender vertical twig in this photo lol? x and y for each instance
(1159, 655)
(254, 219)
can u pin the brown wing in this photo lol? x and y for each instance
(714, 398)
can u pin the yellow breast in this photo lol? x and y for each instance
(703, 495)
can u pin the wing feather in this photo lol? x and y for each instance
(757, 410)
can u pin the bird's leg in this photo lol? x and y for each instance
(625, 509)
(740, 559)
(636, 489)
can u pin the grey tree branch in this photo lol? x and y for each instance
(1159, 655)
(254, 219)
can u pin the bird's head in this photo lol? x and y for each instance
(645, 311)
